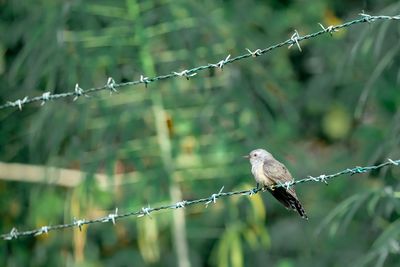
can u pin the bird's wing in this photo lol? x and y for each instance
(278, 173)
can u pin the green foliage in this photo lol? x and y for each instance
(333, 106)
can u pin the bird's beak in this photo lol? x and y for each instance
(246, 156)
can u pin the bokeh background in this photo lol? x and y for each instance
(333, 106)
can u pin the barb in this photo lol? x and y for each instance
(111, 217)
(254, 53)
(180, 204)
(78, 92)
(46, 97)
(295, 40)
(111, 85)
(145, 212)
(144, 79)
(19, 102)
(185, 73)
(221, 63)
(14, 233)
(321, 178)
(328, 29)
(43, 229)
(213, 198)
(79, 223)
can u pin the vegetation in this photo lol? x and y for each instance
(333, 106)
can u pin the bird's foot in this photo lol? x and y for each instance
(271, 187)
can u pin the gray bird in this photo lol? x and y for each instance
(268, 172)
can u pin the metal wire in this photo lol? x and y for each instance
(112, 86)
(146, 211)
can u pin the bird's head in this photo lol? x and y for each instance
(258, 155)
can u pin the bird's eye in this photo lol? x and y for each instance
(255, 155)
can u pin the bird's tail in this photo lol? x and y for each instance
(289, 200)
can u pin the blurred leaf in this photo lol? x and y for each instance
(336, 123)
(192, 133)
(285, 263)
(148, 239)
(341, 215)
(388, 238)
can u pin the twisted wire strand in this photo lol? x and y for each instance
(146, 211)
(112, 86)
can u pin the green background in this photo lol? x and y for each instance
(333, 106)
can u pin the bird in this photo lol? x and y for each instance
(269, 172)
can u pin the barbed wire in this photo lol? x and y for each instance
(146, 211)
(112, 86)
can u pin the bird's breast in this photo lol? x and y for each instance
(259, 175)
